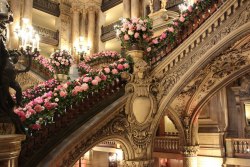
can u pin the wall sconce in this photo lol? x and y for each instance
(30, 40)
(82, 48)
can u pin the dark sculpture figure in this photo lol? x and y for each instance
(6, 80)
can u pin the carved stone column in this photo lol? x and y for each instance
(83, 24)
(16, 9)
(27, 12)
(126, 8)
(135, 8)
(75, 29)
(140, 109)
(64, 26)
(10, 148)
(91, 28)
(190, 156)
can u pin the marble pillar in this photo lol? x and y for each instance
(75, 32)
(190, 156)
(27, 12)
(135, 8)
(83, 24)
(16, 9)
(91, 29)
(126, 8)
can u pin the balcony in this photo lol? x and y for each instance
(167, 144)
(108, 32)
(238, 148)
(47, 36)
(107, 4)
(47, 6)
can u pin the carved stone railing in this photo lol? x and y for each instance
(47, 36)
(108, 143)
(173, 3)
(167, 144)
(177, 55)
(107, 4)
(238, 148)
(108, 32)
(47, 6)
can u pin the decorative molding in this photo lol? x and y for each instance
(190, 151)
(47, 36)
(170, 78)
(108, 4)
(108, 32)
(47, 6)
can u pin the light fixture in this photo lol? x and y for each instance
(82, 47)
(30, 40)
(112, 160)
(247, 112)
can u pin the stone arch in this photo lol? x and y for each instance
(203, 61)
(222, 84)
(127, 149)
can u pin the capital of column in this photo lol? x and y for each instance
(190, 151)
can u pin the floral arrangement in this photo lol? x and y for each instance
(105, 57)
(102, 57)
(50, 97)
(61, 61)
(43, 64)
(191, 17)
(84, 68)
(134, 33)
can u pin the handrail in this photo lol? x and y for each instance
(238, 147)
(39, 143)
(167, 144)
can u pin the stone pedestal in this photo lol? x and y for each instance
(10, 148)
(161, 18)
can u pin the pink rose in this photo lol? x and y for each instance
(163, 35)
(143, 28)
(126, 65)
(170, 29)
(38, 108)
(85, 87)
(126, 37)
(144, 36)
(86, 79)
(38, 100)
(57, 64)
(94, 82)
(182, 19)
(104, 77)
(176, 23)
(98, 78)
(155, 41)
(114, 71)
(107, 70)
(148, 49)
(136, 35)
(120, 67)
(190, 9)
(63, 94)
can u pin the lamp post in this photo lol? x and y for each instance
(82, 48)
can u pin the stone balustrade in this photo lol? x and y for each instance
(108, 32)
(47, 36)
(238, 148)
(167, 144)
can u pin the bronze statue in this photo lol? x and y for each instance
(6, 102)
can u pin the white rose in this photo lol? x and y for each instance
(130, 32)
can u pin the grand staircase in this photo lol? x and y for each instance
(93, 120)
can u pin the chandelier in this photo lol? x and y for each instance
(82, 48)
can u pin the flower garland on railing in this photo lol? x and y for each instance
(41, 109)
(42, 64)
(105, 57)
(181, 28)
(100, 57)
